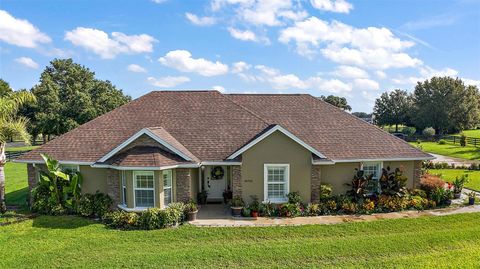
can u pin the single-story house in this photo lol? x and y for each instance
(168, 146)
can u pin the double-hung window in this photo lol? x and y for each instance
(144, 189)
(276, 177)
(167, 187)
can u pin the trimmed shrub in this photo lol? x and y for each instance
(442, 142)
(428, 132)
(463, 140)
(391, 203)
(409, 130)
(428, 183)
(94, 205)
(121, 220)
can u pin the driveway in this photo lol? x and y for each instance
(450, 160)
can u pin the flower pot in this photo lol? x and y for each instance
(471, 200)
(192, 215)
(254, 214)
(237, 211)
(457, 195)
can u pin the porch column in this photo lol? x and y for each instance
(32, 181)
(183, 184)
(417, 173)
(237, 180)
(113, 186)
(315, 184)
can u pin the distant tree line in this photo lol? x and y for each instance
(443, 103)
(68, 95)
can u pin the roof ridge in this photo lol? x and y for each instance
(248, 110)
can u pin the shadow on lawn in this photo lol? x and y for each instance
(17, 198)
(61, 222)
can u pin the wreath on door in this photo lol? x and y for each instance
(217, 172)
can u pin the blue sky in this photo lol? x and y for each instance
(356, 49)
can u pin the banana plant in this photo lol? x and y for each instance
(65, 187)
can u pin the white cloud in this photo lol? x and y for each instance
(263, 12)
(370, 47)
(365, 84)
(109, 47)
(346, 71)
(380, 74)
(280, 81)
(424, 73)
(182, 60)
(339, 6)
(472, 82)
(26, 61)
(20, 32)
(240, 67)
(136, 68)
(201, 21)
(167, 82)
(219, 88)
(243, 35)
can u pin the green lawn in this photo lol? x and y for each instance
(472, 133)
(470, 153)
(450, 174)
(16, 184)
(427, 242)
(21, 148)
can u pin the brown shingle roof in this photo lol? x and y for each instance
(210, 127)
(330, 130)
(145, 156)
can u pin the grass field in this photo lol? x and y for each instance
(428, 242)
(16, 185)
(450, 174)
(472, 133)
(21, 148)
(469, 153)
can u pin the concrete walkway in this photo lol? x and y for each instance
(221, 219)
(450, 160)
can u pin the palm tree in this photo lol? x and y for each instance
(11, 125)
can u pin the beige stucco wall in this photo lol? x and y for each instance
(339, 174)
(276, 149)
(94, 179)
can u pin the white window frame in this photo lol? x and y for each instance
(379, 171)
(124, 189)
(170, 172)
(135, 173)
(265, 181)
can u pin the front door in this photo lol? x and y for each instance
(216, 182)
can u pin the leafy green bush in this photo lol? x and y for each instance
(428, 132)
(294, 198)
(409, 130)
(393, 183)
(326, 191)
(152, 218)
(94, 205)
(313, 210)
(463, 140)
(349, 207)
(442, 142)
(290, 210)
(391, 203)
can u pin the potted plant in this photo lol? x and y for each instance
(202, 197)
(458, 184)
(237, 205)
(254, 206)
(471, 198)
(192, 210)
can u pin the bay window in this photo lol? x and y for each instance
(167, 187)
(144, 189)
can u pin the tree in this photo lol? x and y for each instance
(445, 104)
(11, 125)
(5, 88)
(69, 95)
(340, 102)
(392, 108)
(362, 115)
